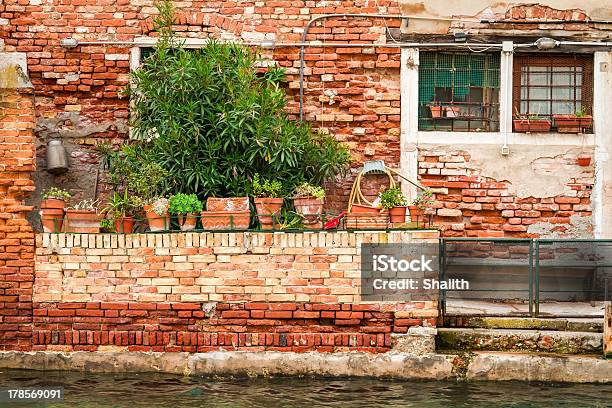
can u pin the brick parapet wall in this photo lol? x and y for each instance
(17, 164)
(212, 291)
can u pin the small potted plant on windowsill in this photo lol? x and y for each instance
(393, 200)
(83, 217)
(52, 209)
(121, 209)
(531, 123)
(575, 123)
(186, 207)
(308, 201)
(423, 200)
(268, 200)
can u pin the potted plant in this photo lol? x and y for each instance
(157, 214)
(308, 201)
(531, 123)
(186, 207)
(393, 200)
(83, 217)
(436, 111)
(575, 123)
(583, 160)
(121, 208)
(268, 200)
(423, 200)
(52, 209)
(107, 225)
(229, 213)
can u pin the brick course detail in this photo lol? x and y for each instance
(212, 291)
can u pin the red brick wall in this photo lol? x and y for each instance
(16, 235)
(211, 291)
(78, 90)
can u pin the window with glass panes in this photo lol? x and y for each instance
(550, 85)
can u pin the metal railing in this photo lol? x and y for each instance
(526, 273)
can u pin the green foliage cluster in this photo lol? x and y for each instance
(267, 188)
(57, 193)
(392, 197)
(122, 205)
(424, 199)
(305, 190)
(212, 120)
(184, 204)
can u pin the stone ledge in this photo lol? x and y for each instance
(485, 366)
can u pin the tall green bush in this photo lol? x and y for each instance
(212, 120)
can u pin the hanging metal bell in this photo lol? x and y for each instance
(57, 161)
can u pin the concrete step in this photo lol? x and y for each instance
(549, 341)
(529, 323)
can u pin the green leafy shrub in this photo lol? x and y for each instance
(424, 199)
(266, 188)
(306, 190)
(57, 193)
(106, 224)
(184, 204)
(122, 205)
(212, 121)
(392, 197)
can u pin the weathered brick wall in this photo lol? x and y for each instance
(352, 92)
(199, 292)
(17, 164)
(470, 202)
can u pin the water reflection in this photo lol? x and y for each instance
(160, 390)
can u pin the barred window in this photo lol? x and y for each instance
(553, 86)
(459, 91)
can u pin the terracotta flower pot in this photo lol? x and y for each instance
(583, 161)
(360, 208)
(267, 209)
(226, 220)
(531, 125)
(227, 204)
(84, 221)
(311, 209)
(187, 222)
(157, 222)
(124, 225)
(416, 213)
(52, 219)
(397, 214)
(53, 203)
(436, 111)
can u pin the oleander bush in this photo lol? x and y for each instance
(212, 120)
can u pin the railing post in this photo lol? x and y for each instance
(607, 338)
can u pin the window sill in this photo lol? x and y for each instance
(497, 138)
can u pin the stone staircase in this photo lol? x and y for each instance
(517, 334)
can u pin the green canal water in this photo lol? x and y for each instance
(159, 390)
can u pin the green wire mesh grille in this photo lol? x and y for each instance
(464, 85)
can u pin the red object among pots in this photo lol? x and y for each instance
(52, 219)
(226, 220)
(267, 209)
(397, 214)
(416, 213)
(368, 209)
(84, 221)
(53, 203)
(583, 161)
(124, 225)
(157, 222)
(311, 209)
(227, 204)
(187, 222)
(531, 125)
